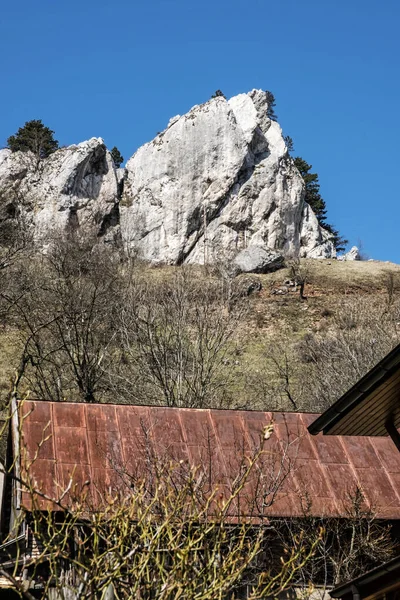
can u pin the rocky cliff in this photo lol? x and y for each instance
(74, 187)
(218, 180)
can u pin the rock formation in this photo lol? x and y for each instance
(352, 254)
(75, 186)
(217, 180)
(257, 259)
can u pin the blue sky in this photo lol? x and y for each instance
(121, 70)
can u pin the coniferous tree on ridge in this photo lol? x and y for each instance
(33, 137)
(317, 203)
(289, 143)
(311, 180)
(218, 94)
(312, 197)
(271, 106)
(117, 157)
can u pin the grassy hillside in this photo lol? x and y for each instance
(282, 351)
(310, 351)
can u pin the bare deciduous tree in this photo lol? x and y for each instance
(65, 318)
(331, 362)
(14, 233)
(175, 339)
(348, 547)
(309, 373)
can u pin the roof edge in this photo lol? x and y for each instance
(367, 384)
(366, 578)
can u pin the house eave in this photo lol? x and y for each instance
(332, 420)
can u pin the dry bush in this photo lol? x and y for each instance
(365, 330)
(347, 548)
(64, 312)
(310, 373)
(275, 385)
(175, 338)
(15, 236)
(300, 272)
(96, 327)
(15, 248)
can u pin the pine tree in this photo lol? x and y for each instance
(34, 137)
(117, 157)
(271, 106)
(312, 197)
(218, 94)
(317, 203)
(289, 143)
(339, 241)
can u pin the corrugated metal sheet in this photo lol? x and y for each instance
(105, 447)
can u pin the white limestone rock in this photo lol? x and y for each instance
(257, 259)
(4, 154)
(217, 180)
(315, 242)
(74, 186)
(353, 254)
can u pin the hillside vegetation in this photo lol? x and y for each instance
(86, 324)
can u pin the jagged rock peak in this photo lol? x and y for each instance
(76, 185)
(352, 254)
(217, 180)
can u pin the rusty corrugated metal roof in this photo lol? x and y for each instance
(103, 446)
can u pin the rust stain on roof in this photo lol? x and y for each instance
(100, 446)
